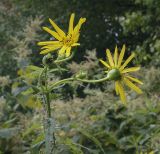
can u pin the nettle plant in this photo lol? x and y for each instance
(64, 47)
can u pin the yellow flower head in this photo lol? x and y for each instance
(64, 42)
(118, 72)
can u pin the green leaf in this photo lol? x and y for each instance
(36, 147)
(91, 137)
(39, 139)
(34, 68)
(74, 149)
(31, 129)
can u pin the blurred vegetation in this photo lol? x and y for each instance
(90, 118)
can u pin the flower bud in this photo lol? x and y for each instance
(47, 59)
(114, 74)
(81, 74)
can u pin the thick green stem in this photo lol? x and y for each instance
(49, 123)
(48, 105)
(49, 127)
(47, 94)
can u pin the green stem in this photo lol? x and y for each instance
(92, 81)
(45, 91)
(57, 70)
(47, 94)
(76, 79)
(40, 79)
(48, 105)
(49, 123)
(60, 82)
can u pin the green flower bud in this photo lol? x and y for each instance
(81, 74)
(47, 59)
(114, 74)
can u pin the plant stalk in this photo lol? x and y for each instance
(49, 123)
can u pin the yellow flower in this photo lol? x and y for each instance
(118, 72)
(64, 42)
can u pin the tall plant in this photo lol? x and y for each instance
(63, 44)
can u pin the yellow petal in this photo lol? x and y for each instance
(121, 92)
(134, 79)
(53, 33)
(132, 86)
(44, 47)
(115, 56)
(110, 59)
(71, 22)
(121, 55)
(127, 61)
(116, 87)
(68, 52)
(48, 43)
(62, 50)
(51, 46)
(131, 69)
(104, 63)
(59, 31)
(75, 44)
(78, 26)
(76, 37)
(49, 50)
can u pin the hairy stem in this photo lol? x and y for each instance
(48, 105)
(49, 123)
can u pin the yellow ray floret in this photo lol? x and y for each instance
(58, 30)
(115, 56)
(132, 86)
(110, 59)
(64, 42)
(134, 79)
(53, 33)
(121, 55)
(105, 63)
(121, 92)
(71, 23)
(121, 75)
(127, 61)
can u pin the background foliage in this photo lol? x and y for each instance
(90, 119)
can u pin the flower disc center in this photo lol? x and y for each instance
(68, 40)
